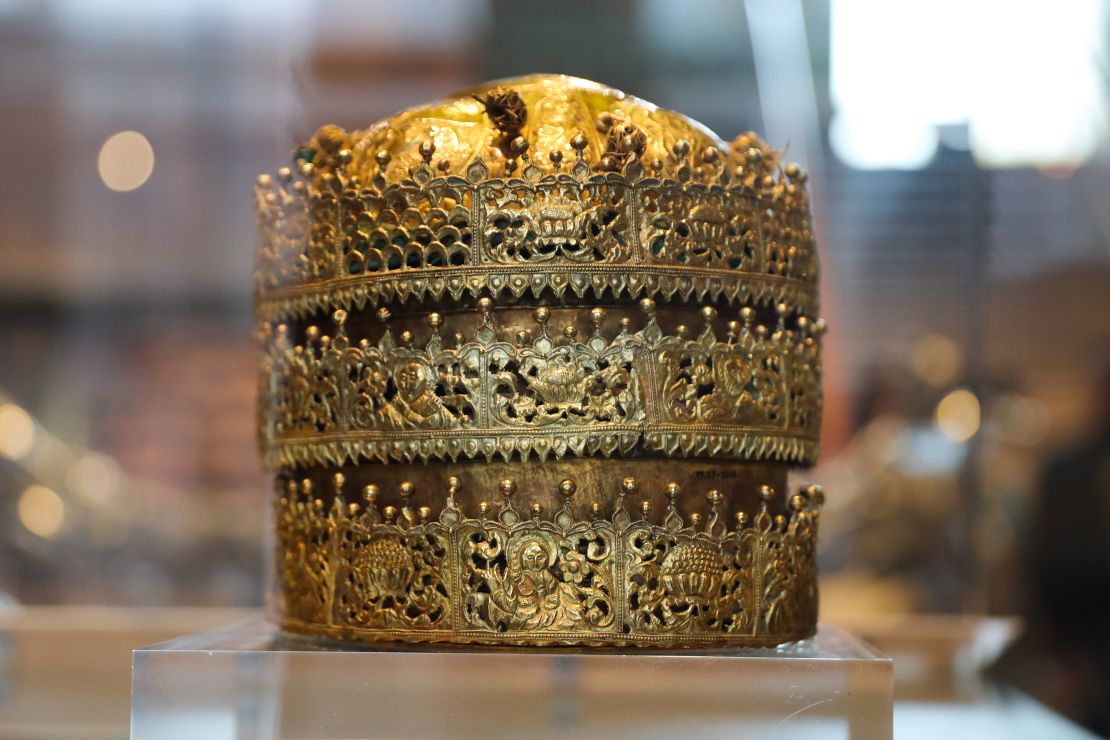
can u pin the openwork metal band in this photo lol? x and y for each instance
(519, 575)
(752, 393)
(721, 225)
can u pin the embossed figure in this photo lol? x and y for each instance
(731, 399)
(722, 387)
(544, 583)
(527, 595)
(416, 404)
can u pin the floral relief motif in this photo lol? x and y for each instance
(696, 225)
(738, 381)
(396, 581)
(359, 572)
(566, 383)
(747, 581)
(535, 579)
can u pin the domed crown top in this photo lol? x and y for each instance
(547, 119)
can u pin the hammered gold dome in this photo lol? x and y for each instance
(565, 116)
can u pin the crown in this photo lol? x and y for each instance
(547, 281)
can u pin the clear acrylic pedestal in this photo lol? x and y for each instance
(252, 681)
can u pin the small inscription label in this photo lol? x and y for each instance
(715, 474)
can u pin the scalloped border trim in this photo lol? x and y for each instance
(670, 440)
(630, 279)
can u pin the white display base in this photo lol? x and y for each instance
(252, 681)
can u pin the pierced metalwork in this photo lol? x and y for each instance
(533, 277)
(527, 577)
(369, 216)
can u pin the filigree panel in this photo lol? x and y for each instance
(753, 392)
(698, 225)
(332, 241)
(556, 219)
(406, 227)
(737, 381)
(520, 577)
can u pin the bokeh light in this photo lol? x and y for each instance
(17, 432)
(41, 511)
(126, 161)
(1020, 420)
(936, 359)
(94, 477)
(957, 415)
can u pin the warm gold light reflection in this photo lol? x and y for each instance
(94, 477)
(957, 415)
(17, 432)
(936, 359)
(41, 511)
(126, 160)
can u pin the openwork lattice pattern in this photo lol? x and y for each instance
(752, 392)
(528, 577)
(344, 228)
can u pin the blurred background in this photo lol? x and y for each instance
(960, 162)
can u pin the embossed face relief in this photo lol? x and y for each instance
(533, 558)
(547, 281)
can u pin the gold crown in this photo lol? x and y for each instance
(516, 284)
